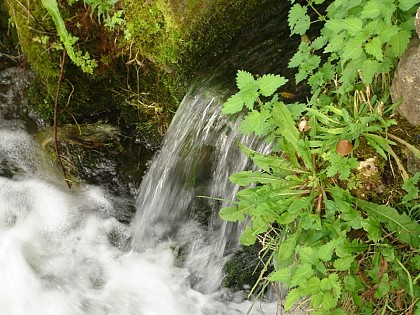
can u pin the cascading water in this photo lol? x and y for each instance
(199, 153)
(61, 252)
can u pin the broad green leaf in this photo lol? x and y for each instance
(299, 21)
(287, 247)
(405, 229)
(245, 80)
(282, 275)
(353, 50)
(248, 237)
(249, 97)
(353, 25)
(287, 127)
(233, 105)
(374, 48)
(255, 122)
(302, 273)
(326, 251)
(319, 42)
(269, 83)
(232, 214)
(406, 5)
(368, 71)
(292, 297)
(308, 255)
(372, 9)
(343, 264)
(399, 43)
(328, 301)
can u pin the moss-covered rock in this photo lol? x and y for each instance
(145, 59)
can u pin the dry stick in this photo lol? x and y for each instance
(57, 150)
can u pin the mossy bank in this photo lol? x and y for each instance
(143, 53)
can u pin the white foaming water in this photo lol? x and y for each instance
(59, 254)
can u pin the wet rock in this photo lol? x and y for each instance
(407, 84)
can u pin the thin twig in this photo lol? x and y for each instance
(57, 93)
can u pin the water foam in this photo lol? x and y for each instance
(59, 254)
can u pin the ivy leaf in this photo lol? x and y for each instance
(255, 122)
(406, 5)
(233, 105)
(232, 214)
(299, 21)
(374, 48)
(269, 83)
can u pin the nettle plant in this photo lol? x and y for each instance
(315, 203)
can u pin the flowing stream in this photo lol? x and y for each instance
(63, 252)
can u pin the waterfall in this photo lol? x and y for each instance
(187, 184)
(63, 252)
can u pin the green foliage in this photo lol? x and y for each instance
(336, 250)
(84, 61)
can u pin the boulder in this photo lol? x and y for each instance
(407, 83)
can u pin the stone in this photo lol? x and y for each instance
(406, 84)
(418, 22)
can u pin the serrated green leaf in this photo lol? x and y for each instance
(344, 263)
(399, 43)
(249, 97)
(232, 214)
(233, 105)
(369, 69)
(299, 21)
(406, 5)
(326, 251)
(405, 229)
(255, 122)
(282, 275)
(352, 51)
(245, 80)
(353, 25)
(372, 9)
(319, 42)
(328, 301)
(269, 83)
(292, 297)
(302, 274)
(308, 255)
(374, 48)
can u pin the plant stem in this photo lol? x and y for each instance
(57, 93)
